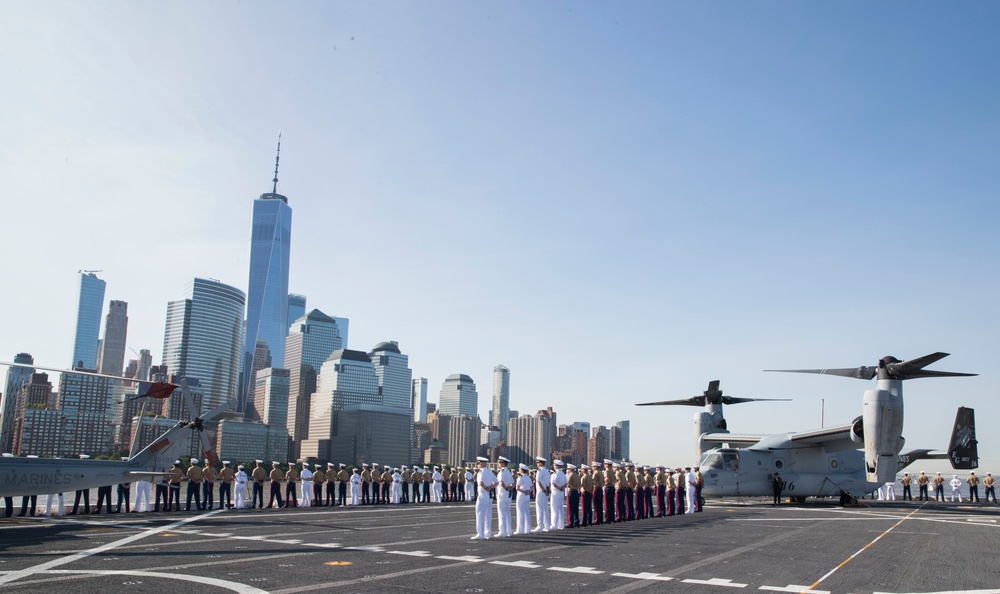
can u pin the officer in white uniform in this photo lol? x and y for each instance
(53, 497)
(241, 488)
(505, 484)
(355, 487)
(557, 503)
(956, 488)
(470, 485)
(306, 477)
(437, 478)
(486, 481)
(543, 486)
(523, 487)
(142, 488)
(690, 492)
(397, 486)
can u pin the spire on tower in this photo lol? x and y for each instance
(274, 190)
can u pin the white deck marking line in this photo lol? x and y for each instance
(644, 576)
(792, 588)
(16, 575)
(469, 558)
(412, 553)
(715, 582)
(993, 591)
(198, 579)
(861, 550)
(586, 570)
(521, 564)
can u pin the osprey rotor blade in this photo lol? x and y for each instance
(693, 401)
(862, 373)
(218, 410)
(189, 400)
(914, 368)
(735, 400)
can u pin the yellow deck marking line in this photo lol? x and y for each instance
(862, 549)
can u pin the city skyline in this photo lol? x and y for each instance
(702, 192)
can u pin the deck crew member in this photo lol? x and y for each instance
(543, 488)
(523, 487)
(331, 485)
(241, 479)
(573, 485)
(905, 481)
(990, 483)
(291, 486)
(343, 480)
(598, 473)
(194, 477)
(486, 482)
(356, 487)
(208, 476)
(776, 487)
(922, 482)
(226, 478)
(587, 495)
(973, 482)
(259, 476)
(505, 486)
(557, 500)
(319, 477)
(307, 486)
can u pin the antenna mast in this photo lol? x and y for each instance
(274, 189)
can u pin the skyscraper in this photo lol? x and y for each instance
(85, 403)
(267, 293)
(17, 378)
(88, 321)
(419, 400)
(202, 338)
(111, 357)
(623, 430)
(458, 396)
(311, 340)
(394, 375)
(500, 413)
(296, 307)
(346, 378)
(271, 397)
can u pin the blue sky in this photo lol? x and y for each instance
(618, 202)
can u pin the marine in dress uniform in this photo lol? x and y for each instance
(624, 493)
(174, 492)
(291, 486)
(428, 481)
(161, 494)
(319, 477)
(610, 485)
(587, 495)
(276, 477)
(416, 481)
(194, 477)
(331, 485)
(991, 491)
(226, 479)
(922, 482)
(505, 486)
(543, 488)
(699, 482)
(259, 476)
(404, 485)
(671, 491)
(486, 481)
(661, 491)
(680, 483)
(208, 476)
(650, 487)
(573, 486)
(366, 478)
(905, 481)
(523, 487)
(343, 480)
(973, 482)
(938, 487)
(386, 482)
(84, 493)
(240, 479)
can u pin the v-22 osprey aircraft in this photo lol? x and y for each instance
(824, 462)
(40, 476)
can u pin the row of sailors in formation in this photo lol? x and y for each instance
(366, 485)
(618, 493)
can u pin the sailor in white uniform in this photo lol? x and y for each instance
(557, 503)
(306, 476)
(523, 487)
(543, 486)
(241, 488)
(142, 488)
(397, 486)
(505, 484)
(486, 481)
(355, 487)
(53, 497)
(470, 485)
(956, 488)
(437, 478)
(690, 494)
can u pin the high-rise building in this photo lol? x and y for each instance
(270, 402)
(88, 321)
(296, 307)
(458, 396)
(371, 432)
(202, 338)
(346, 378)
(267, 293)
(111, 357)
(500, 413)
(623, 445)
(528, 437)
(311, 339)
(39, 427)
(17, 378)
(464, 432)
(145, 362)
(85, 403)
(394, 375)
(418, 399)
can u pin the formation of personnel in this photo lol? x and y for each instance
(972, 481)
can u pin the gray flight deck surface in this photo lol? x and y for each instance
(427, 548)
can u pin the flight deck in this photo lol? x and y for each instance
(897, 547)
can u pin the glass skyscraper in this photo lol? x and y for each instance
(458, 396)
(501, 399)
(311, 339)
(296, 307)
(111, 357)
(202, 338)
(267, 293)
(88, 321)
